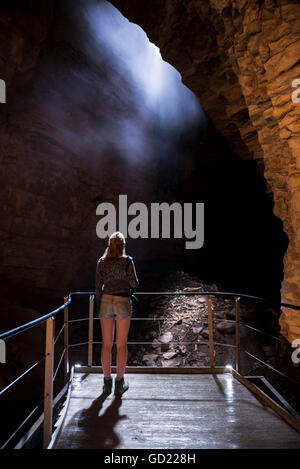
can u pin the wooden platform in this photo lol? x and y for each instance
(168, 411)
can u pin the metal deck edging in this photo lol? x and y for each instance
(284, 414)
(156, 370)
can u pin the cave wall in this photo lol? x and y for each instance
(58, 160)
(240, 58)
(56, 166)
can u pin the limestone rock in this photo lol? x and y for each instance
(205, 333)
(181, 349)
(169, 355)
(172, 362)
(226, 327)
(166, 338)
(149, 359)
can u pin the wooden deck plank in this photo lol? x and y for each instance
(171, 411)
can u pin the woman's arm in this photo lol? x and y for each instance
(132, 277)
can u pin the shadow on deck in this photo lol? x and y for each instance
(171, 411)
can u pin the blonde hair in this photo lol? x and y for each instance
(116, 246)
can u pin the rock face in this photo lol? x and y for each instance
(57, 165)
(58, 159)
(240, 58)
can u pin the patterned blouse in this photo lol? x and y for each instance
(115, 276)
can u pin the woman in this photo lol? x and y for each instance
(115, 276)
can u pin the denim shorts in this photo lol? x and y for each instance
(113, 306)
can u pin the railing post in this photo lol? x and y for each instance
(210, 328)
(66, 340)
(48, 389)
(91, 329)
(237, 336)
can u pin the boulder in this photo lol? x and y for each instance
(149, 359)
(169, 355)
(205, 333)
(226, 327)
(172, 362)
(166, 337)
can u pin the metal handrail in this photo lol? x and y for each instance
(212, 293)
(58, 335)
(161, 343)
(272, 368)
(6, 388)
(264, 333)
(29, 325)
(50, 374)
(23, 327)
(59, 363)
(216, 320)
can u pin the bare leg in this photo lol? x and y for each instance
(107, 328)
(121, 341)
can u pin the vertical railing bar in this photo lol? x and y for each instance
(48, 389)
(237, 335)
(91, 322)
(210, 328)
(66, 340)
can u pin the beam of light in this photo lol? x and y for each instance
(135, 106)
(157, 85)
